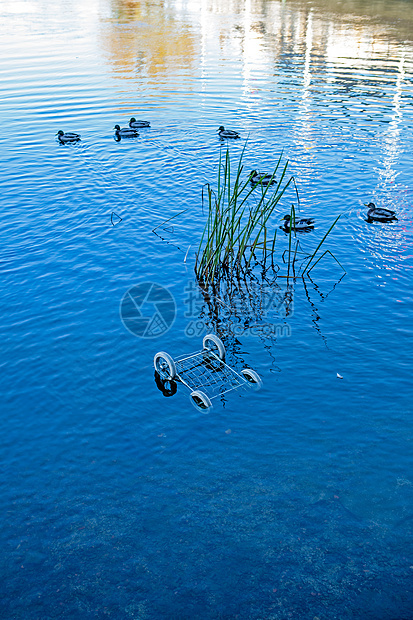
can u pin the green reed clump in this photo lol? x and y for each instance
(234, 230)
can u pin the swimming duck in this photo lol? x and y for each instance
(136, 124)
(227, 133)
(264, 179)
(125, 132)
(303, 224)
(375, 214)
(67, 137)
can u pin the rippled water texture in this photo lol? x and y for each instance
(294, 501)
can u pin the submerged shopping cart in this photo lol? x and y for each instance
(203, 372)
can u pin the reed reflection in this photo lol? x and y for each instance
(234, 308)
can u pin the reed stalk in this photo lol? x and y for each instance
(234, 229)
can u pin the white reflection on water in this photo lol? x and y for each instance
(391, 138)
(305, 104)
(389, 242)
(258, 32)
(19, 7)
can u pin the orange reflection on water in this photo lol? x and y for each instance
(145, 39)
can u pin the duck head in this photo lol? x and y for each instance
(60, 133)
(133, 120)
(221, 128)
(286, 218)
(371, 205)
(117, 127)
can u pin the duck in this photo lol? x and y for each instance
(303, 224)
(125, 132)
(376, 214)
(264, 179)
(227, 133)
(136, 124)
(67, 137)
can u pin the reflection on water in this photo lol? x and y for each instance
(121, 500)
(145, 40)
(391, 137)
(393, 18)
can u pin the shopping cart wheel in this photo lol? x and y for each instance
(215, 344)
(200, 400)
(164, 365)
(251, 376)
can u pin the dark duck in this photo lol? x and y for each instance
(304, 223)
(377, 214)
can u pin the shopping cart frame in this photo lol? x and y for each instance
(205, 372)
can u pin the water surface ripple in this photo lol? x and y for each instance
(291, 502)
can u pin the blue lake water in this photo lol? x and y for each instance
(294, 501)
